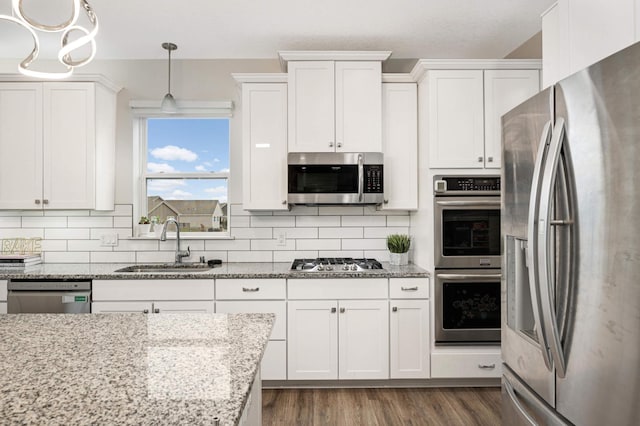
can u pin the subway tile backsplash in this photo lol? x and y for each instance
(74, 236)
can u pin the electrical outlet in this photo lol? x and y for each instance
(282, 238)
(109, 240)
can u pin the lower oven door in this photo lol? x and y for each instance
(467, 306)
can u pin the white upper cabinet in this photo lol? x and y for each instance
(503, 90)
(455, 118)
(579, 33)
(264, 140)
(400, 145)
(464, 111)
(335, 106)
(58, 141)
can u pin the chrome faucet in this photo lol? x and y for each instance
(163, 237)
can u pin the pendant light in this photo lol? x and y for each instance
(168, 104)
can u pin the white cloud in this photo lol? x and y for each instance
(216, 160)
(160, 168)
(218, 192)
(201, 168)
(223, 171)
(163, 186)
(171, 152)
(207, 163)
(178, 194)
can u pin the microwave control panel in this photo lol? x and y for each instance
(452, 185)
(373, 179)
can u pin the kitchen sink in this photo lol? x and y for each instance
(166, 268)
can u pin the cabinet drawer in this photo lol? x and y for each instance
(274, 361)
(471, 365)
(259, 307)
(3, 290)
(338, 288)
(248, 289)
(409, 288)
(152, 290)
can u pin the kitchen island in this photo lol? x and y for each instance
(131, 368)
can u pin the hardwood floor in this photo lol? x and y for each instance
(414, 406)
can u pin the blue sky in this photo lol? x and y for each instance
(188, 145)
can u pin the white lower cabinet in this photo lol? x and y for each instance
(3, 296)
(409, 339)
(260, 296)
(152, 296)
(468, 364)
(331, 339)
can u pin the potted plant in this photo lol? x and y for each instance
(398, 245)
(144, 226)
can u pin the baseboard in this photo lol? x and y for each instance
(400, 383)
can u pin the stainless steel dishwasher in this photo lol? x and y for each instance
(46, 296)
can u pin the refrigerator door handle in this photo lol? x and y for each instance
(544, 252)
(532, 247)
(516, 402)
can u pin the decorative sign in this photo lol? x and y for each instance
(22, 245)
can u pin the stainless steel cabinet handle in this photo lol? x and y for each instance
(490, 159)
(480, 159)
(409, 288)
(342, 310)
(284, 202)
(156, 311)
(339, 144)
(333, 310)
(330, 144)
(45, 201)
(146, 311)
(38, 202)
(469, 203)
(486, 366)
(394, 309)
(247, 289)
(386, 201)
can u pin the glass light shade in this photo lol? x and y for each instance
(168, 104)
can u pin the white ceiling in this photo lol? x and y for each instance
(212, 29)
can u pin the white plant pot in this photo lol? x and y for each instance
(143, 229)
(398, 259)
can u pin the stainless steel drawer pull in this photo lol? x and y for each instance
(342, 310)
(409, 288)
(156, 311)
(486, 366)
(146, 311)
(246, 289)
(333, 310)
(394, 309)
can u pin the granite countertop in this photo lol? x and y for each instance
(174, 369)
(226, 270)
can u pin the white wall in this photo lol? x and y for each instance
(74, 236)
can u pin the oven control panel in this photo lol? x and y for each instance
(468, 185)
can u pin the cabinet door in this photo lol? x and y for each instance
(312, 337)
(409, 337)
(400, 145)
(69, 148)
(503, 90)
(120, 307)
(364, 339)
(456, 121)
(598, 29)
(311, 96)
(183, 306)
(358, 106)
(278, 308)
(20, 145)
(264, 135)
(555, 44)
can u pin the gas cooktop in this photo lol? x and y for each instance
(337, 264)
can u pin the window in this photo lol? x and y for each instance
(184, 173)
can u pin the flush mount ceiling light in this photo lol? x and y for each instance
(168, 102)
(67, 28)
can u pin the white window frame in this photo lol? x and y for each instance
(143, 110)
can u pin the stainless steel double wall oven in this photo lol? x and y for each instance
(467, 259)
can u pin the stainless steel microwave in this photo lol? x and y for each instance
(318, 178)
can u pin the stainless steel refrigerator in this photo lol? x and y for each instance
(571, 250)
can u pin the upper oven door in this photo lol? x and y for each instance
(467, 232)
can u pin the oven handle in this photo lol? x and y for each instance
(360, 177)
(469, 203)
(468, 276)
